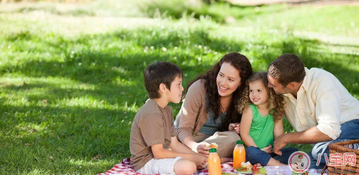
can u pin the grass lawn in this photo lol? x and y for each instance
(71, 74)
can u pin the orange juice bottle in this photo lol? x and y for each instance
(239, 154)
(214, 163)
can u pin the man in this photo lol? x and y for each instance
(318, 106)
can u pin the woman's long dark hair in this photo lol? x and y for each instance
(241, 63)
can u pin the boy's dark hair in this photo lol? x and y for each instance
(287, 68)
(160, 72)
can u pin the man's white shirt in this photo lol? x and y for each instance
(322, 101)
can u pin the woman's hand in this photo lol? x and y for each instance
(234, 127)
(203, 148)
(268, 149)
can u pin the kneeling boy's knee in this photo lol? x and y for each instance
(185, 167)
(192, 168)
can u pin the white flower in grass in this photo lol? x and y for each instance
(230, 19)
(164, 49)
(145, 50)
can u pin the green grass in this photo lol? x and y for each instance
(219, 12)
(71, 85)
(331, 20)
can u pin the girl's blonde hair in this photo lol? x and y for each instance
(275, 102)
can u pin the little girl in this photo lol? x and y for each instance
(262, 115)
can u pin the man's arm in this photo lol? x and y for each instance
(311, 135)
(328, 110)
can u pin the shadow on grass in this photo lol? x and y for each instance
(123, 64)
(118, 69)
(66, 134)
(112, 94)
(108, 65)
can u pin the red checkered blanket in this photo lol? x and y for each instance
(125, 168)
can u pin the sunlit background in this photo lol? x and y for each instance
(71, 70)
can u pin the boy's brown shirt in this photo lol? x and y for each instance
(152, 125)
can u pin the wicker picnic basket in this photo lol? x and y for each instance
(339, 147)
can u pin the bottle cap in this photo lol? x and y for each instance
(213, 150)
(239, 142)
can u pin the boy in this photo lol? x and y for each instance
(153, 143)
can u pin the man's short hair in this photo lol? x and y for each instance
(157, 73)
(287, 68)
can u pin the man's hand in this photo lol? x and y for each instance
(279, 143)
(200, 160)
(268, 149)
(234, 127)
(203, 148)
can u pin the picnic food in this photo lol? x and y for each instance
(214, 162)
(247, 168)
(258, 170)
(239, 155)
(246, 165)
(254, 169)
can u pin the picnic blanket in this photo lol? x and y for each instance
(125, 168)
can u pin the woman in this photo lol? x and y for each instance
(208, 113)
